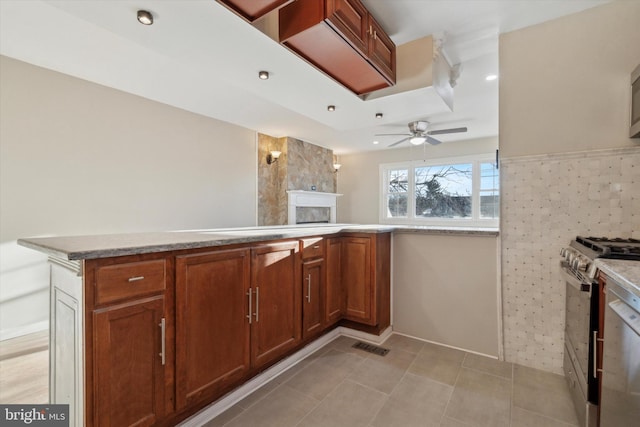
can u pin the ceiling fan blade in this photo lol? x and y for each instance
(400, 142)
(392, 134)
(444, 131)
(432, 141)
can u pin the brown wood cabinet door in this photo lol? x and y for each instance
(275, 279)
(334, 294)
(356, 279)
(127, 364)
(312, 301)
(212, 323)
(382, 50)
(349, 18)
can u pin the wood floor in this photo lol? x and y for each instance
(24, 369)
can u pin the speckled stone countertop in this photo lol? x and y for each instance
(627, 273)
(110, 245)
(428, 229)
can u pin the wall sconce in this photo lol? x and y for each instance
(336, 167)
(272, 157)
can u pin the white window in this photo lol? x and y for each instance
(461, 191)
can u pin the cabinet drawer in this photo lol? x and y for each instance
(312, 247)
(122, 281)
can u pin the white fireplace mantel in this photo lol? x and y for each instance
(311, 199)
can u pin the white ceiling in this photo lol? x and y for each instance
(201, 57)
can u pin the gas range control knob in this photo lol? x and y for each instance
(580, 263)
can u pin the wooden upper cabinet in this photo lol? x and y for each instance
(340, 38)
(382, 50)
(253, 9)
(349, 18)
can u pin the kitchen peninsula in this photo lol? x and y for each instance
(149, 328)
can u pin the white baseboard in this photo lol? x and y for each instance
(226, 402)
(24, 330)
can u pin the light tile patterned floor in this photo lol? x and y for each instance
(416, 384)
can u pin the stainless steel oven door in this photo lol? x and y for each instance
(620, 400)
(577, 321)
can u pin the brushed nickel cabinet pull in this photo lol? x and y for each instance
(316, 247)
(309, 288)
(136, 279)
(249, 315)
(162, 340)
(375, 35)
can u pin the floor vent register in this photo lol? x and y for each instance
(380, 351)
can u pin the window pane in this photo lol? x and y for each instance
(397, 206)
(489, 204)
(489, 191)
(443, 191)
(488, 177)
(398, 181)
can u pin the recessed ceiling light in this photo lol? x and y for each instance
(145, 17)
(376, 142)
(378, 115)
(263, 75)
(491, 77)
(331, 108)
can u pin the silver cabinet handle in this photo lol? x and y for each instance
(316, 247)
(136, 279)
(257, 303)
(162, 340)
(309, 288)
(249, 315)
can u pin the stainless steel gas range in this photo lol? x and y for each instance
(583, 326)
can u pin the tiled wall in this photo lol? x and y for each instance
(546, 202)
(300, 166)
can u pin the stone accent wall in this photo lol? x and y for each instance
(546, 202)
(310, 165)
(300, 166)
(272, 182)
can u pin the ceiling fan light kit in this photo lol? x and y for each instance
(419, 134)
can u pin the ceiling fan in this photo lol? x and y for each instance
(419, 134)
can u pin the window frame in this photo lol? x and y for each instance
(411, 219)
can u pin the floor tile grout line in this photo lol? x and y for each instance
(547, 417)
(453, 389)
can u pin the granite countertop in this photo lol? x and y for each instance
(110, 245)
(626, 273)
(431, 229)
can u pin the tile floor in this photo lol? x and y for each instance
(416, 384)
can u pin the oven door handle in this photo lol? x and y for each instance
(572, 280)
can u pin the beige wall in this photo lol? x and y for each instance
(445, 290)
(568, 164)
(564, 84)
(359, 177)
(433, 297)
(80, 158)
